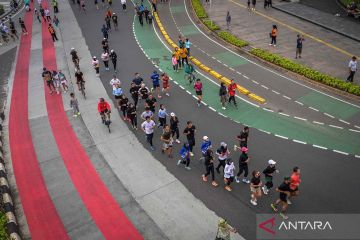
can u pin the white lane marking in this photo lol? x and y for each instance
(344, 121)
(302, 119)
(238, 73)
(213, 57)
(175, 82)
(225, 65)
(213, 109)
(357, 126)
(314, 109)
(353, 130)
(269, 110)
(263, 86)
(334, 126)
(264, 131)
(232, 69)
(181, 87)
(188, 91)
(289, 98)
(281, 136)
(205, 104)
(222, 114)
(245, 76)
(299, 103)
(254, 81)
(329, 115)
(318, 122)
(284, 114)
(275, 92)
(297, 141)
(276, 73)
(218, 61)
(340, 152)
(317, 146)
(357, 156)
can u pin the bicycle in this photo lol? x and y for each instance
(106, 120)
(82, 89)
(76, 62)
(190, 77)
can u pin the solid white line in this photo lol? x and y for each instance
(254, 81)
(314, 109)
(281, 136)
(299, 103)
(284, 114)
(212, 109)
(329, 115)
(344, 121)
(317, 146)
(297, 141)
(275, 92)
(318, 122)
(340, 152)
(269, 110)
(245, 76)
(264, 87)
(287, 97)
(303, 119)
(353, 130)
(336, 126)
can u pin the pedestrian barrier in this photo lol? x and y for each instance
(204, 67)
(12, 226)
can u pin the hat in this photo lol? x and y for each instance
(205, 138)
(223, 144)
(271, 162)
(112, 50)
(72, 48)
(244, 149)
(287, 178)
(94, 56)
(172, 114)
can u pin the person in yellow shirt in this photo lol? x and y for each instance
(177, 54)
(184, 55)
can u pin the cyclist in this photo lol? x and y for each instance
(104, 110)
(80, 79)
(75, 58)
(190, 72)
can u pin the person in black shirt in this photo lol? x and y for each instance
(123, 104)
(79, 79)
(243, 166)
(243, 137)
(108, 22)
(131, 114)
(255, 187)
(223, 94)
(113, 57)
(269, 171)
(146, 12)
(115, 21)
(137, 80)
(134, 91)
(209, 167)
(105, 45)
(174, 127)
(284, 190)
(189, 131)
(151, 102)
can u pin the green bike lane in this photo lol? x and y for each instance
(248, 114)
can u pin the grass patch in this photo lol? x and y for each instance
(3, 233)
(210, 24)
(230, 38)
(306, 71)
(198, 8)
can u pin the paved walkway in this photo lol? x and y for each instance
(323, 50)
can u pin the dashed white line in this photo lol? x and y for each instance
(188, 91)
(314, 109)
(222, 114)
(317, 146)
(344, 121)
(357, 156)
(254, 81)
(176, 82)
(340, 152)
(205, 104)
(264, 131)
(299, 118)
(160, 70)
(357, 126)
(181, 87)
(297, 141)
(263, 86)
(225, 65)
(218, 61)
(289, 98)
(299, 103)
(334, 126)
(275, 92)
(318, 122)
(245, 76)
(329, 115)
(232, 69)
(281, 136)
(284, 114)
(269, 110)
(213, 57)
(353, 130)
(213, 109)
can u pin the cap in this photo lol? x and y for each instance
(94, 56)
(287, 178)
(223, 144)
(244, 149)
(271, 162)
(72, 48)
(172, 114)
(205, 138)
(112, 50)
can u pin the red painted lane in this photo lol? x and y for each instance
(103, 208)
(42, 218)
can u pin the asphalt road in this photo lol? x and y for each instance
(326, 175)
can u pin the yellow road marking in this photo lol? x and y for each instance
(297, 30)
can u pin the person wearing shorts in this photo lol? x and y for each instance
(198, 88)
(167, 141)
(79, 79)
(165, 83)
(284, 192)
(255, 187)
(294, 184)
(47, 76)
(155, 77)
(229, 174)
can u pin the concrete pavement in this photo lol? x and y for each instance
(320, 43)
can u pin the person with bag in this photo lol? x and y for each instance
(224, 230)
(273, 36)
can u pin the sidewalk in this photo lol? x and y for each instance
(323, 50)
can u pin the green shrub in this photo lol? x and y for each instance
(306, 71)
(3, 233)
(198, 8)
(232, 39)
(210, 25)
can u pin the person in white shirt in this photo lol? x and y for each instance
(105, 58)
(147, 113)
(229, 174)
(148, 128)
(352, 69)
(115, 82)
(96, 65)
(123, 3)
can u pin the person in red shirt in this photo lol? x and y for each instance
(104, 109)
(232, 90)
(165, 82)
(294, 184)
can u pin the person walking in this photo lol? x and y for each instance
(162, 116)
(273, 35)
(205, 145)
(52, 32)
(198, 89)
(154, 2)
(165, 83)
(113, 57)
(299, 45)
(232, 91)
(148, 128)
(74, 105)
(184, 55)
(13, 30)
(115, 82)
(167, 141)
(47, 15)
(255, 187)
(352, 69)
(189, 132)
(243, 166)
(269, 172)
(223, 153)
(177, 54)
(155, 77)
(108, 23)
(229, 174)
(174, 62)
(105, 58)
(228, 20)
(243, 137)
(96, 65)
(105, 45)
(134, 91)
(138, 79)
(147, 113)
(143, 92)
(57, 82)
(209, 167)
(23, 27)
(174, 127)
(55, 5)
(294, 184)
(185, 154)
(123, 4)
(146, 14)
(56, 21)
(37, 14)
(223, 95)
(284, 193)
(132, 115)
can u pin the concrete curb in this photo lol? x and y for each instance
(12, 225)
(318, 24)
